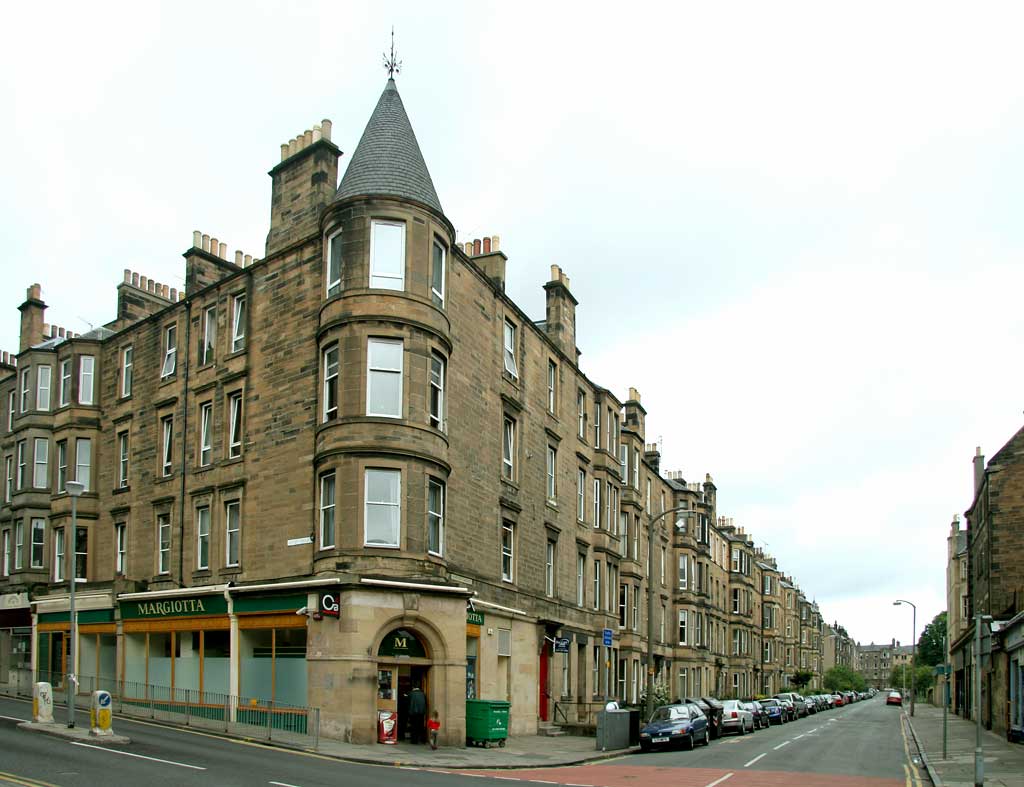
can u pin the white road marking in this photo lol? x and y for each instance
(798, 737)
(284, 784)
(758, 757)
(139, 756)
(541, 781)
(507, 778)
(12, 718)
(719, 781)
(784, 743)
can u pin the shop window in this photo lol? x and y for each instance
(272, 664)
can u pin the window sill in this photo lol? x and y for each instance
(121, 490)
(202, 573)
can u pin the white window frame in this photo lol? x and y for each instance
(549, 569)
(597, 425)
(684, 631)
(5, 566)
(122, 465)
(25, 389)
(8, 478)
(81, 531)
(202, 538)
(233, 533)
(205, 434)
(37, 525)
(435, 516)
(552, 380)
(65, 382)
(127, 367)
(684, 578)
(120, 547)
(11, 401)
(508, 551)
(83, 470)
(238, 322)
(396, 504)
(328, 520)
(40, 463)
(438, 370)
(509, 348)
(333, 277)
(209, 347)
(59, 554)
(235, 425)
(581, 579)
(597, 584)
(552, 465)
(438, 295)
(19, 544)
(62, 466)
(170, 362)
(380, 280)
(43, 374)
(163, 548)
(331, 371)
(581, 494)
(167, 446)
(597, 502)
(375, 372)
(581, 413)
(508, 448)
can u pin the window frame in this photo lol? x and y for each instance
(581, 579)
(552, 385)
(552, 472)
(25, 388)
(331, 382)
(207, 352)
(549, 569)
(66, 371)
(333, 285)
(581, 413)
(37, 524)
(392, 504)
(438, 296)
(59, 554)
(167, 446)
(169, 365)
(374, 275)
(508, 344)
(232, 533)
(435, 518)
(508, 551)
(127, 370)
(62, 466)
(205, 434)
(508, 448)
(437, 373)
(163, 556)
(123, 455)
(238, 317)
(85, 442)
(202, 538)
(581, 495)
(235, 416)
(43, 371)
(37, 443)
(8, 478)
(19, 544)
(684, 627)
(328, 510)
(374, 372)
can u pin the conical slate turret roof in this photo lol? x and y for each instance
(388, 159)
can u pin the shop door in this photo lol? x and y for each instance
(542, 700)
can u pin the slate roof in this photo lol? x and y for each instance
(388, 160)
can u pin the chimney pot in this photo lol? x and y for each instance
(214, 246)
(325, 128)
(247, 260)
(206, 242)
(238, 258)
(222, 251)
(197, 239)
(469, 248)
(476, 247)
(174, 293)
(46, 331)
(293, 147)
(143, 283)
(317, 133)
(307, 138)
(135, 279)
(181, 296)
(127, 276)
(284, 151)
(495, 243)
(487, 245)
(60, 332)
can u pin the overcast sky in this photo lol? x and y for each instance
(794, 228)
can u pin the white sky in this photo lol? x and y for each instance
(791, 226)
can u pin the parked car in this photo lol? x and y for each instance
(713, 710)
(811, 705)
(894, 698)
(788, 709)
(760, 713)
(736, 717)
(839, 699)
(671, 725)
(796, 701)
(775, 710)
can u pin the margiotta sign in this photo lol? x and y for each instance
(178, 606)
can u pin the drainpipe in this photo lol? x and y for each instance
(184, 444)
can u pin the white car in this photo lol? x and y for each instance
(736, 717)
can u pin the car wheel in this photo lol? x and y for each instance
(645, 747)
(689, 742)
(707, 737)
(743, 728)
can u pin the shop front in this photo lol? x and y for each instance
(96, 657)
(15, 644)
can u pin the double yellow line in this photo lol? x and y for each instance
(23, 781)
(910, 770)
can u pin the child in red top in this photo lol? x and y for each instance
(433, 725)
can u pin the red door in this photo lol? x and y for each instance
(542, 700)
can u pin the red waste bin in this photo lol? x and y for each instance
(387, 727)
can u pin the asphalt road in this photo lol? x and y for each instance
(863, 745)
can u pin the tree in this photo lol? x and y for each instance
(901, 677)
(931, 647)
(842, 678)
(801, 678)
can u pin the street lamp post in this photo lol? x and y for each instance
(649, 705)
(913, 656)
(74, 490)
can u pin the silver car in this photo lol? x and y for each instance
(736, 717)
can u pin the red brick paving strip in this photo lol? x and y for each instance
(651, 776)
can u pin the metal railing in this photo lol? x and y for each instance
(245, 716)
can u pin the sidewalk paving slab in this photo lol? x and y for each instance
(1004, 761)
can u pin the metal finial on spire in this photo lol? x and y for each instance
(392, 65)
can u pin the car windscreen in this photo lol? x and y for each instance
(671, 713)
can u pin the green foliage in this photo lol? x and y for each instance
(901, 676)
(842, 678)
(801, 678)
(661, 696)
(930, 649)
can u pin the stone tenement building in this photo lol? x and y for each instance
(362, 425)
(985, 575)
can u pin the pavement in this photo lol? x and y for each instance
(61, 730)
(521, 751)
(1004, 761)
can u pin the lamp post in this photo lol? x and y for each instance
(649, 705)
(74, 490)
(913, 656)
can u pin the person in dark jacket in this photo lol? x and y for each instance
(417, 714)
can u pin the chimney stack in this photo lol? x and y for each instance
(979, 469)
(489, 258)
(560, 312)
(32, 312)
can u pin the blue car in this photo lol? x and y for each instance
(776, 713)
(673, 724)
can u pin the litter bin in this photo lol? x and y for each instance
(612, 729)
(486, 721)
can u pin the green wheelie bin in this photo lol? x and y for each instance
(486, 721)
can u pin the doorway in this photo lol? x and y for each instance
(545, 694)
(394, 682)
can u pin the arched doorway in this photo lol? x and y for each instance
(403, 664)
